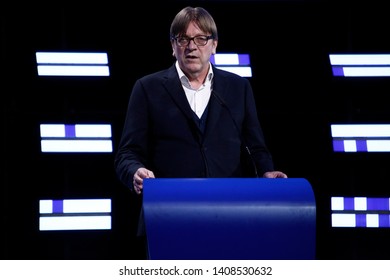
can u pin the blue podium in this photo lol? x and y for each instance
(230, 218)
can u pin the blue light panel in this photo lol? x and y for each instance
(75, 214)
(361, 137)
(372, 212)
(76, 138)
(233, 62)
(360, 65)
(72, 64)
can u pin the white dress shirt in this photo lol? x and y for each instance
(197, 98)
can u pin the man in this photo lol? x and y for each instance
(191, 120)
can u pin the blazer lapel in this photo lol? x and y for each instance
(175, 90)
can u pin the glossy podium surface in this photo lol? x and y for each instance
(232, 218)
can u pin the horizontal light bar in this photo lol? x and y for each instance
(361, 137)
(233, 62)
(360, 65)
(81, 70)
(359, 59)
(230, 59)
(361, 220)
(75, 223)
(75, 130)
(360, 130)
(241, 71)
(75, 214)
(361, 146)
(361, 71)
(75, 206)
(72, 64)
(69, 138)
(76, 146)
(71, 58)
(360, 203)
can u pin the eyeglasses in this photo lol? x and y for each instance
(200, 40)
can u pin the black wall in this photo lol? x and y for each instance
(296, 94)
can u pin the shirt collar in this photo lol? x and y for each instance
(184, 80)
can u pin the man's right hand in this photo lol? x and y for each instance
(139, 177)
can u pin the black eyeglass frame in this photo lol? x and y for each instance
(207, 38)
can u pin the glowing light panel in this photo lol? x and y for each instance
(72, 64)
(361, 137)
(79, 138)
(75, 214)
(373, 212)
(233, 62)
(360, 65)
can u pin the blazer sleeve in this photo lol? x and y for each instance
(253, 134)
(132, 149)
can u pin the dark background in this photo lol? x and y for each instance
(297, 99)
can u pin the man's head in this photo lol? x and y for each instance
(194, 38)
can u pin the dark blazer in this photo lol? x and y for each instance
(162, 133)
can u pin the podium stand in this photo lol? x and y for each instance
(229, 218)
